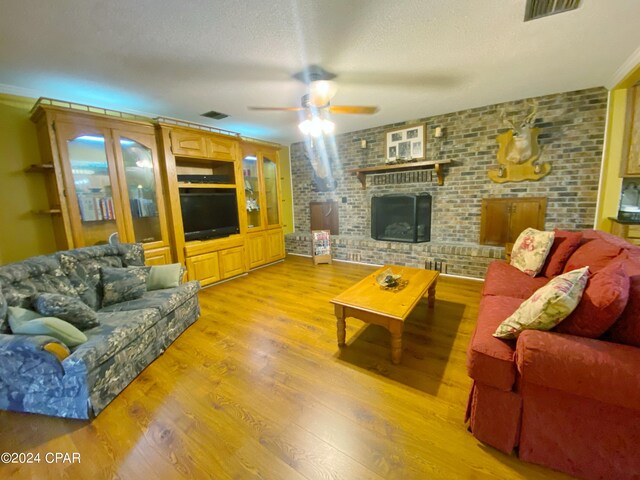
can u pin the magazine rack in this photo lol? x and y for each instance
(321, 246)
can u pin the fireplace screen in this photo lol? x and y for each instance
(401, 218)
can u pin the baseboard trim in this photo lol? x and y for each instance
(380, 265)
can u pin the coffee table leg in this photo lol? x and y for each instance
(432, 295)
(341, 324)
(395, 329)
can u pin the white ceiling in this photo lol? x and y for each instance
(412, 58)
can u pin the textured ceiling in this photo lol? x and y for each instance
(412, 58)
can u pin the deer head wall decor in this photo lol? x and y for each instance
(519, 152)
(521, 147)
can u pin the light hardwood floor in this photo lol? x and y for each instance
(257, 388)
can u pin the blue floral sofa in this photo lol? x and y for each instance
(130, 335)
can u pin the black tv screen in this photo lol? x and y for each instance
(208, 213)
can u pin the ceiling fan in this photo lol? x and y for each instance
(322, 88)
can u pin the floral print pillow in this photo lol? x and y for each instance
(530, 250)
(123, 284)
(548, 306)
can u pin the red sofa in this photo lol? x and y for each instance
(565, 401)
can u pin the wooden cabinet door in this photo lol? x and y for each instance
(503, 219)
(204, 268)
(232, 262)
(275, 245)
(494, 225)
(160, 256)
(220, 148)
(188, 143)
(525, 214)
(257, 250)
(631, 147)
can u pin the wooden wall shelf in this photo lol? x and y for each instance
(362, 173)
(40, 168)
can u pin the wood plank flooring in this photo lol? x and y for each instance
(258, 389)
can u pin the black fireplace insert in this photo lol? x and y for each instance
(401, 218)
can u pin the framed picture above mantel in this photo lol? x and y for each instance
(405, 144)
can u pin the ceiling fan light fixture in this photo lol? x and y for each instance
(316, 126)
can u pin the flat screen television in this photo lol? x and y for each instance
(208, 213)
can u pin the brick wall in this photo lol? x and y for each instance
(571, 135)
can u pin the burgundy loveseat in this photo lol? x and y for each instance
(570, 402)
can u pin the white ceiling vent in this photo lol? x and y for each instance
(543, 8)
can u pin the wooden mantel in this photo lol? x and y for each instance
(362, 173)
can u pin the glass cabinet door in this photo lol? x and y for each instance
(252, 191)
(140, 180)
(92, 181)
(270, 173)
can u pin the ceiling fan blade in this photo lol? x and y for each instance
(282, 109)
(353, 109)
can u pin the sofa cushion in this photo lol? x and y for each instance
(627, 328)
(490, 360)
(22, 280)
(83, 265)
(115, 332)
(603, 301)
(164, 301)
(28, 322)
(69, 309)
(123, 284)
(548, 306)
(564, 244)
(595, 254)
(530, 250)
(504, 280)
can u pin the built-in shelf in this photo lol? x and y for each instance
(205, 185)
(40, 168)
(362, 173)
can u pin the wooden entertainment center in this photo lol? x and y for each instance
(113, 175)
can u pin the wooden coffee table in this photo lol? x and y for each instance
(370, 303)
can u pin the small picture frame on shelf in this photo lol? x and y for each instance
(405, 144)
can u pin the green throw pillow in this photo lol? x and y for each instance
(164, 276)
(26, 322)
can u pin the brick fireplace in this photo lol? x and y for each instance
(571, 135)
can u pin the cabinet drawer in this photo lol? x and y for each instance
(204, 268)
(633, 231)
(232, 262)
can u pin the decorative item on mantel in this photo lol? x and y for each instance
(405, 144)
(519, 152)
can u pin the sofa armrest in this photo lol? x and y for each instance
(603, 371)
(30, 353)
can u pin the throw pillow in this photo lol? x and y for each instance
(627, 328)
(596, 254)
(564, 244)
(604, 299)
(548, 306)
(530, 250)
(26, 322)
(123, 284)
(164, 276)
(69, 309)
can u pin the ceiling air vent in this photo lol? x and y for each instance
(543, 8)
(215, 115)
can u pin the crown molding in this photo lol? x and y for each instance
(19, 91)
(625, 69)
